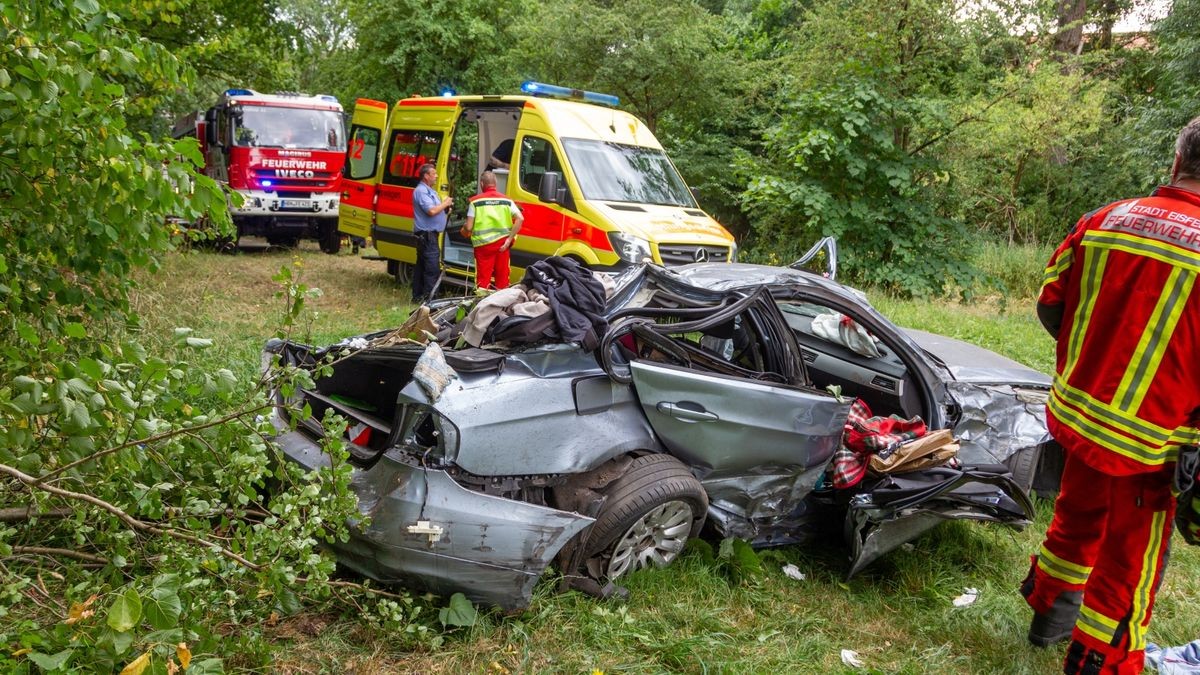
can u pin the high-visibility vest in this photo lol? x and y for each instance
(1127, 383)
(493, 217)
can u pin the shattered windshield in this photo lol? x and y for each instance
(613, 172)
(276, 127)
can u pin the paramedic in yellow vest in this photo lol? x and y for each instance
(493, 221)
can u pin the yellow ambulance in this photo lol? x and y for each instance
(592, 181)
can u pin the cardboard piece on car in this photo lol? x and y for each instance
(934, 449)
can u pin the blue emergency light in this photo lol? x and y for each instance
(238, 92)
(554, 91)
(447, 92)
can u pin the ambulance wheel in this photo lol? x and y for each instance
(648, 515)
(401, 271)
(331, 239)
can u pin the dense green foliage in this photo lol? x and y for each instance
(898, 128)
(125, 458)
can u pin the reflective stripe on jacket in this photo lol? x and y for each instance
(493, 217)
(1127, 382)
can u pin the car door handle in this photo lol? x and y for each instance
(685, 414)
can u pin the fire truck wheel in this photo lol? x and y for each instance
(331, 239)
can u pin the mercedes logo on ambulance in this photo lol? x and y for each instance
(701, 255)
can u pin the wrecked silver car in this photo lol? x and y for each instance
(710, 402)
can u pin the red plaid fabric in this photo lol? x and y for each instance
(865, 436)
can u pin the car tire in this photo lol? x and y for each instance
(1023, 464)
(648, 515)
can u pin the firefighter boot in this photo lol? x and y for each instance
(1057, 623)
(1081, 660)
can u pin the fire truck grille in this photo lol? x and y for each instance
(683, 254)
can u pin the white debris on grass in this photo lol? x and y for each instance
(850, 658)
(969, 595)
(792, 572)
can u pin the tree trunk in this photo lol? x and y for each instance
(1069, 38)
(1110, 14)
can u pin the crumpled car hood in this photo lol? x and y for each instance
(976, 365)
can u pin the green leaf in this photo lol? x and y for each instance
(163, 607)
(28, 334)
(91, 368)
(52, 661)
(120, 641)
(460, 612)
(76, 330)
(126, 611)
(77, 419)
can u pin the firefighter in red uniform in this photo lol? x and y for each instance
(1122, 299)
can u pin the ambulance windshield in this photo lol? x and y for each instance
(613, 172)
(259, 126)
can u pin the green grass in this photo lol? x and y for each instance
(690, 617)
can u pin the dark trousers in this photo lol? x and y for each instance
(428, 267)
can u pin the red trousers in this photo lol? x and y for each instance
(489, 260)
(1109, 538)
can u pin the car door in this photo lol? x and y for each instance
(359, 173)
(728, 425)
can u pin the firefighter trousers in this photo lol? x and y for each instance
(491, 262)
(1109, 539)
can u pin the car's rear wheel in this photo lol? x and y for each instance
(648, 515)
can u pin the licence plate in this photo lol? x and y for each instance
(294, 204)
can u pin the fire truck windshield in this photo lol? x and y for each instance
(613, 172)
(259, 126)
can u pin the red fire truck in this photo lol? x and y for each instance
(283, 153)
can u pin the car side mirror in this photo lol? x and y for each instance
(210, 127)
(551, 190)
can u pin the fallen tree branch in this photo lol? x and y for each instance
(142, 526)
(355, 586)
(129, 520)
(17, 514)
(150, 439)
(60, 552)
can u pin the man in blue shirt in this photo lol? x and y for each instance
(429, 219)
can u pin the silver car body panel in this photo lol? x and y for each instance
(972, 363)
(521, 423)
(998, 421)
(419, 524)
